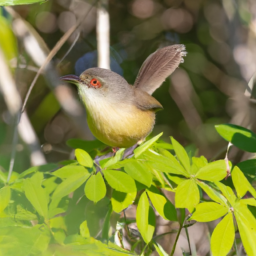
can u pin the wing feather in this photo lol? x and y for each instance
(158, 66)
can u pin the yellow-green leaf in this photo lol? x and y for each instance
(145, 218)
(120, 200)
(187, 195)
(223, 236)
(83, 158)
(95, 188)
(5, 196)
(208, 212)
(214, 171)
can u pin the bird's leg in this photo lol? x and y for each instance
(115, 149)
(129, 151)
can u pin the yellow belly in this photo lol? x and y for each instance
(119, 126)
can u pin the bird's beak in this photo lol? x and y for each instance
(71, 79)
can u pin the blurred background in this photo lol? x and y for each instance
(214, 85)
(210, 87)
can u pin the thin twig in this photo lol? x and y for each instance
(52, 53)
(70, 48)
(176, 240)
(189, 246)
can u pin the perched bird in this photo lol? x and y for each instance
(119, 114)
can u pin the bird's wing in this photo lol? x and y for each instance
(158, 66)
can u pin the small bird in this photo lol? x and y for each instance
(119, 114)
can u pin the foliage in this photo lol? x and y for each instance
(57, 209)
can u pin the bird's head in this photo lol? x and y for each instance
(98, 83)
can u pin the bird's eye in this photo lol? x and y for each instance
(95, 83)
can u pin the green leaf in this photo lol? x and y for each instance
(115, 159)
(214, 171)
(227, 192)
(248, 201)
(208, 212)
(241, 184)
(5, 196)
(212, 193)
(145, 218)
(223, 236)
(69, 170)
(40, 168)
(238, 136)
(95, 188)
(164, 207)
(181, 154)
(120, 181)
(198, 163)
(84, 230)
(247, 228)
(83, 158)
(106, 225)
(164, 164)
(69, 185)
(83, 144)
(36, 195)
(20, 2)
(139, 171)
(187, 195)
(143, 147)
(160, 250)
(248, 168)
(120, 200)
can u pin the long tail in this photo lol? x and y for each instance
(158, 66)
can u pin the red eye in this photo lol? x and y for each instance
(95, 83)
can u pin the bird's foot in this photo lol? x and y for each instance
(129, 151)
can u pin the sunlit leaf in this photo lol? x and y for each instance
(113, 160)
(164, 207)
(247, 228)
(95, 188)
(84, 231)
(5, 196)
(145, 218)
(36, 195)
(238, 136)
(227, 192)
(209, 211)
(181, 154)
(83, 158)
(249, 201)
(139, 171)
(20, 2)
(71, 184)
(223, 236)
(241, 184)
(120, 181)
(198, 163)
(146, 145)
(212, 193)
(214, 171)
(120, 200)
(248, 168)
(160, 250)
(187, 194)
(69, 170)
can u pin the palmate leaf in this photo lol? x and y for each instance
(5, 196)
(227, 192)
(145, 218)
(209, 211)
(223, 236)
(69, 170)
(187, 195)
(238, 136)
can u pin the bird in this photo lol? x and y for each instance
(119, 114)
